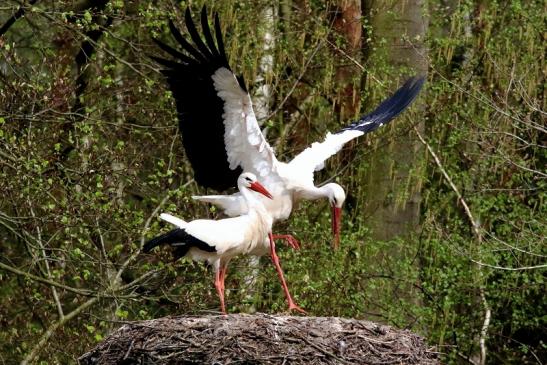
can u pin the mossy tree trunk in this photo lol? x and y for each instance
(393, 188)
(347, 23)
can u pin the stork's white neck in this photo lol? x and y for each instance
(250, 197)
(253, 201)
(258, 214)
(314, 193)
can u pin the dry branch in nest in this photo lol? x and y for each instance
(259, 339)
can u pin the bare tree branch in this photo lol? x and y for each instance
(510, 268)
(478, 235)
(18, 14)
(53, 327)
(46, 263)
(137, 252)
(45, 281)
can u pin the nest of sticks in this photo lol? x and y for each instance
(259, 339)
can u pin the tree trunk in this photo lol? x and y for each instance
(394, 183)
(347, 23)
(261, 101)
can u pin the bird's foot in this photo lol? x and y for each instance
(290, 240)
(293, 306)
(293, 242)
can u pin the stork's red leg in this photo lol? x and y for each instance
(219, 284)
(291, 241)
(275, 259)
(223, 270)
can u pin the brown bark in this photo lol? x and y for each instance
(394, 183)
(347, 23)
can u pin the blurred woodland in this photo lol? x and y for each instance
(444, 226)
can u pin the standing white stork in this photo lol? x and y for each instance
(221, 135)
(218, 241)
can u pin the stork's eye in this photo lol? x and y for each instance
(334, 200)
(248, 179)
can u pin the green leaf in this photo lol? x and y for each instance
(87, 16)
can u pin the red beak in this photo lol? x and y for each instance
(336, 218)
(256, 186)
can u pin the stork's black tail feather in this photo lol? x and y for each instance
(177, 235)
(180, 240)
(390, 107)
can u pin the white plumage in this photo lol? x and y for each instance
(218, 241)
(217, 120)
(292, 181)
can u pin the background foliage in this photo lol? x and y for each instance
(90, 155)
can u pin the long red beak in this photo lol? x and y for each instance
(336, 218)
(256, 186)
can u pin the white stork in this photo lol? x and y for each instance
(221, 135)
(218, 241)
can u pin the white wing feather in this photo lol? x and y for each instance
(173, 220)
(313, 158)
(245, 143)
(232, 205)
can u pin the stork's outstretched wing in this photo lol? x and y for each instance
(219, 129)
(313, 158)
(173, 220)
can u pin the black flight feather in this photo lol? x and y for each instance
(389, 108)
(199, 107)
(195, 35)
(166, 63)
(185, 44)
(207, 33)
(220, 41)
(173, 52)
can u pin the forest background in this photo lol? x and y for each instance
(445, 221)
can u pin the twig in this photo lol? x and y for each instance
(46, 263)
(98, 45)
(317, 47)
(137, 252)
(354, 61)
(128, 350)
(18, 14)
(87, 293)
(478, 236)
(138, 280)
(482, 99)
(45, 337)
(45, 281)
(452, 185)
(466, 358)
(522, 268)
(515, 248)
(485, 325)
(9, 157)
(326, 352)
(280, 106)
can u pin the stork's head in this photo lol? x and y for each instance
(248, 180)
(336, 196)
